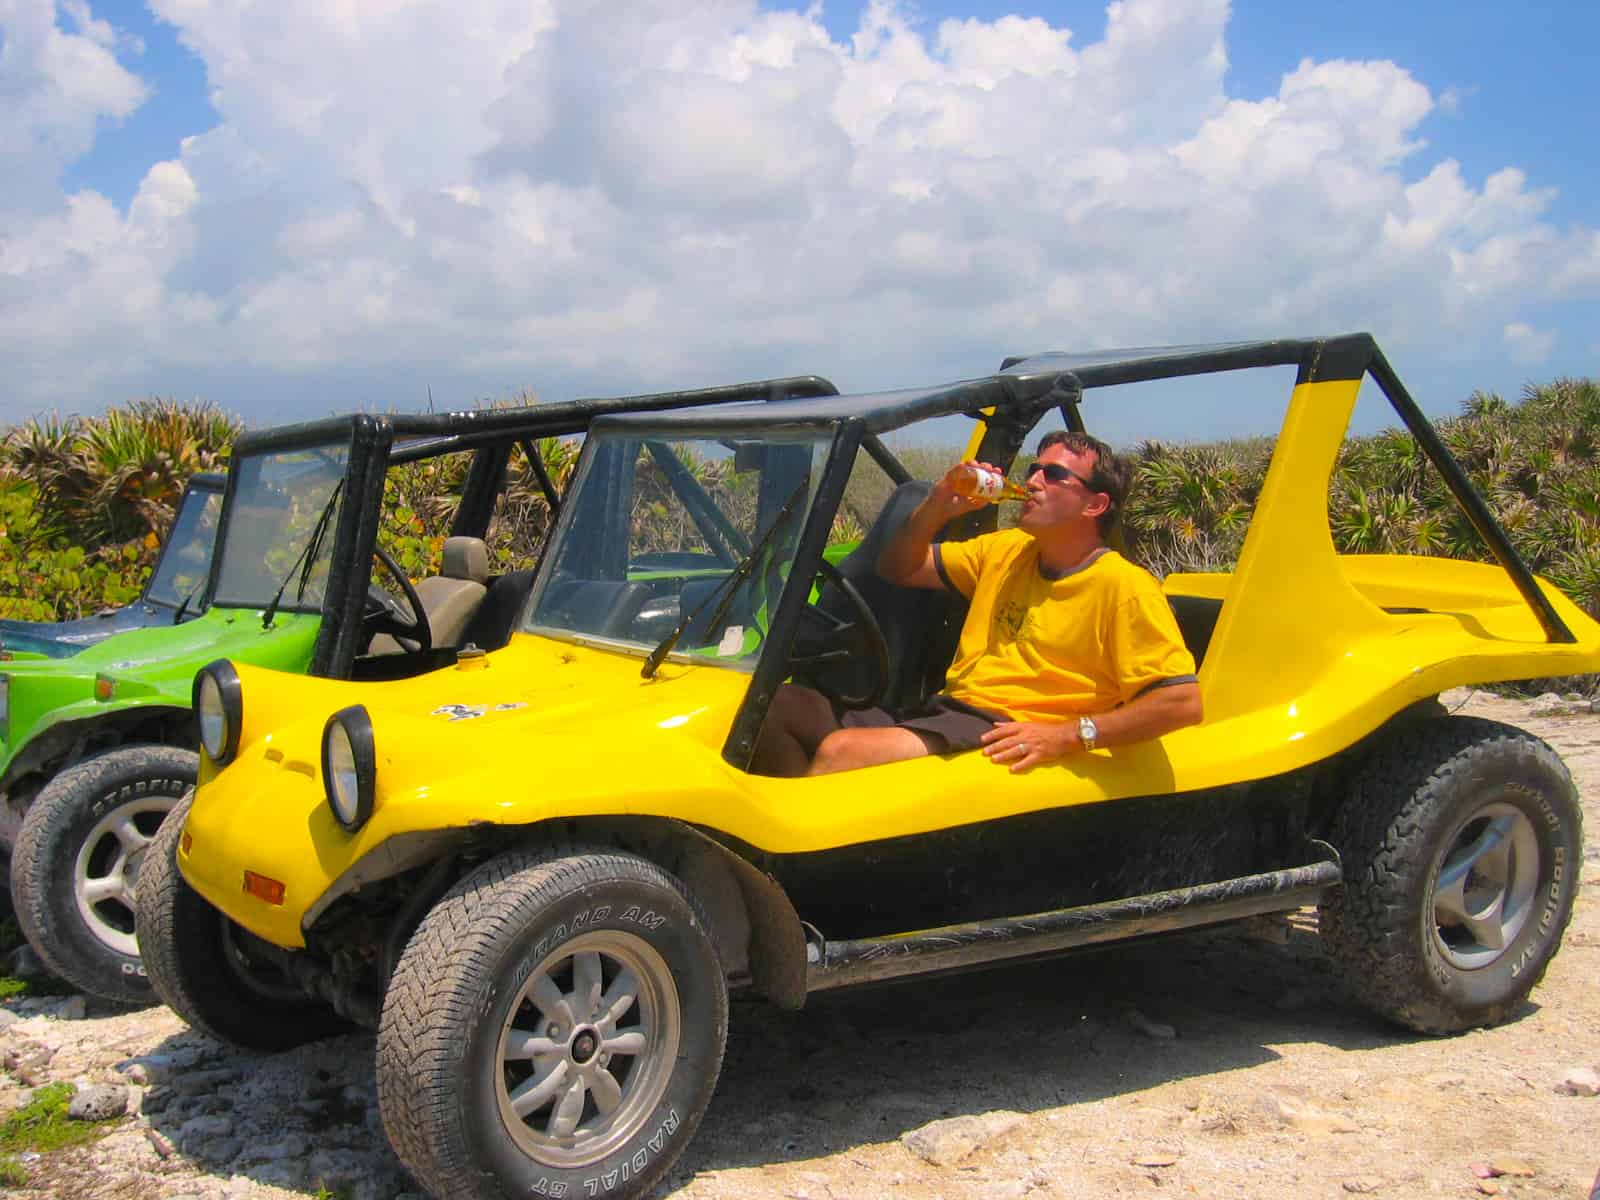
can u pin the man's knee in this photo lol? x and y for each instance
(802, 712)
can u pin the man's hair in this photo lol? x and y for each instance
(1111, 474)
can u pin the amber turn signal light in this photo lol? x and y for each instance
(263, 888)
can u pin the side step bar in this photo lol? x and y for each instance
(957, 947)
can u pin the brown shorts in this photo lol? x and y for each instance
(946, 725)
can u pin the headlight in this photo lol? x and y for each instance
(349, 766)
(219, 708)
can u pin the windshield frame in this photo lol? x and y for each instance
(645, 437)
(227, 526)
(196, 498)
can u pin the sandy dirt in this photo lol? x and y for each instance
(1221, 1064)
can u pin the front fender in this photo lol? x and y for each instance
(267, 811)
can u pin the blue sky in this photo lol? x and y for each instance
(290, 212)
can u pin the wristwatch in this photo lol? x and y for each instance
(1087, 732)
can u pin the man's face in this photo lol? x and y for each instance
(1052, 503)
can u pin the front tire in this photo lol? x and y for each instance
(75, 867)
(201, 965)
(1461, 841)
(554, 1027)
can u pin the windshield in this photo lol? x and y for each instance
(282, 503)
(653, 530)
(186, 558)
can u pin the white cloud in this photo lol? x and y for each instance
(1527, 344)
(55, 85)
(499, 193)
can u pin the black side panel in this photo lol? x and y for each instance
(1050, 860)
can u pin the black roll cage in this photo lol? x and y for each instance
(1011, 403)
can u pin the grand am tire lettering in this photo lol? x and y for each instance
(648, 919)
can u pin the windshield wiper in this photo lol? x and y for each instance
(306, 558)
(725, 593)
(183, 607)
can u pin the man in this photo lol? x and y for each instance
(1067, 645)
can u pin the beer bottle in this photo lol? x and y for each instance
(980, 483)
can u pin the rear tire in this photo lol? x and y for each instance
(554, 1027)
(1461, 840)
(201, 965)
(75, 867)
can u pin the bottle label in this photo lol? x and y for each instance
(987, 485)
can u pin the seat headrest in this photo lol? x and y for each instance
(896, 509)
(466, 558)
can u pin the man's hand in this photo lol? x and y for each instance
(908, 558)
(948, 503)
(1024, 744)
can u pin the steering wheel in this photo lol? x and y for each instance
(839, 643)
(406, 624)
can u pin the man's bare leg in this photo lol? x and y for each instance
(848, 749)
(798, 720)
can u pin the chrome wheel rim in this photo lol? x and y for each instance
(105, 875)
(1484, 888)
(587, 1048)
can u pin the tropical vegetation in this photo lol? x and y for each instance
(84, 502)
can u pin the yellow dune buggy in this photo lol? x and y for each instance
(539, 870)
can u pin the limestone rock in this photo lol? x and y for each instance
(944, 1142)
(1580, 1081)
(98, 1103)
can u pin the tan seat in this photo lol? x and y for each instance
(451, 598)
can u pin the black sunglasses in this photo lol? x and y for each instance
(1056, 473)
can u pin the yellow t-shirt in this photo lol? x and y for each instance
(1043, 649)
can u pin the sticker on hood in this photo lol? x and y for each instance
(468, 712)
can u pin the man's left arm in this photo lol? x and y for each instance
(1024, 744)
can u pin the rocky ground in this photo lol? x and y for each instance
(1217, 1064)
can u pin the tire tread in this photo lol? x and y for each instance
(37, 859)
(425, 1009)
(1364, 926)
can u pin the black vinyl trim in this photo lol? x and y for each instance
(1170, 681)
